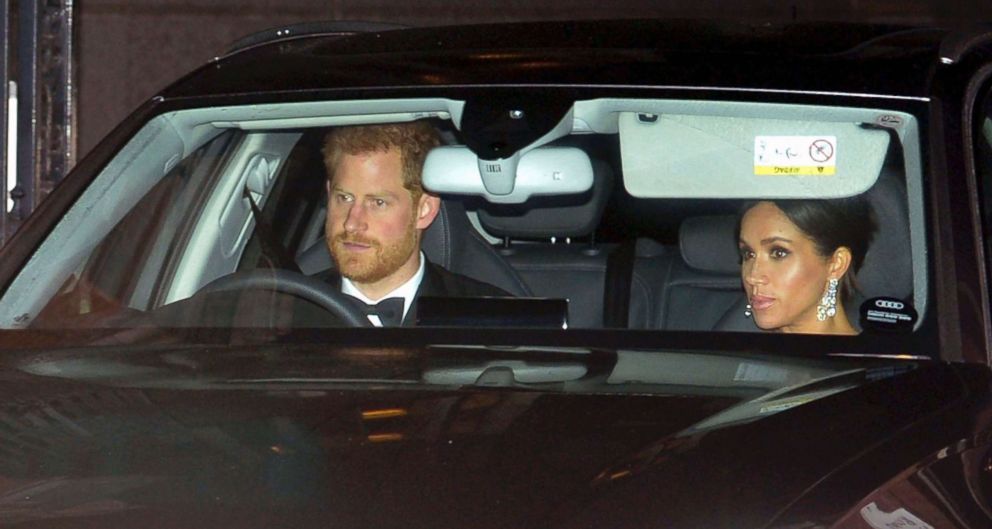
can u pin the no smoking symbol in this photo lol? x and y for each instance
(821, 150)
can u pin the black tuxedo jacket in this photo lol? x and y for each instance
(437, 282)
(262, 309)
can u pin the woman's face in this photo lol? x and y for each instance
(784, 276)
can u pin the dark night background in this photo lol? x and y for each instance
(127, 50)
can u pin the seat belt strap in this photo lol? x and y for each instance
(271, 247)
(616, 285)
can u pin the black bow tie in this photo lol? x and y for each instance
(389, 310)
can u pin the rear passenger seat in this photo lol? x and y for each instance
(692, 288)
(562, 269)
(684, 288)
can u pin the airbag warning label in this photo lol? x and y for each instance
(795, 155)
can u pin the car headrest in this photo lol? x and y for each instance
(552, 216)
(709, 243)
(452, 242)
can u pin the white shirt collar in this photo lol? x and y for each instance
(407, 291)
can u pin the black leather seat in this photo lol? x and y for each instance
(572, 270)
(692, 287)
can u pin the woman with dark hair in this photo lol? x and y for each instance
(799, 259)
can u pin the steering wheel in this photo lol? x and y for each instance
(294, 284)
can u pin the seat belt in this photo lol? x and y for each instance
(271, 247)
(616, 285)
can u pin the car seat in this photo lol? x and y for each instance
(538, 244)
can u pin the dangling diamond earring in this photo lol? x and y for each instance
(747, 310)
(828, 304)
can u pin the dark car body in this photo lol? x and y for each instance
(191, 439)
(480, 427)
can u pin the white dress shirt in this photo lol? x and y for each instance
(407, 291)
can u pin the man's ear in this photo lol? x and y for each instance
(427, 208)
(840, 262)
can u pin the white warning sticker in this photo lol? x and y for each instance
(795, 155)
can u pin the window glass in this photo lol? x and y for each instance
(125, 268)
(701, 216)
(982, 134)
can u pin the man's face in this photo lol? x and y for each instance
(373, 224)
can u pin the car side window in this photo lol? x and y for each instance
(982, 133)
(125, 268)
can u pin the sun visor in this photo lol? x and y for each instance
(693, 156)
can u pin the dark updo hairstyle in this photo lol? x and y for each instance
(830, 224)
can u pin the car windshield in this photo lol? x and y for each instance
(638, 215)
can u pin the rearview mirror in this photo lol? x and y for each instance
(541, 171)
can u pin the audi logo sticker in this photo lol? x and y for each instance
(888, 315)
(889, 304)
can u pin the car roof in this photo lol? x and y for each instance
(844, 58)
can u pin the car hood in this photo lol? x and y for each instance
(429, 438)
